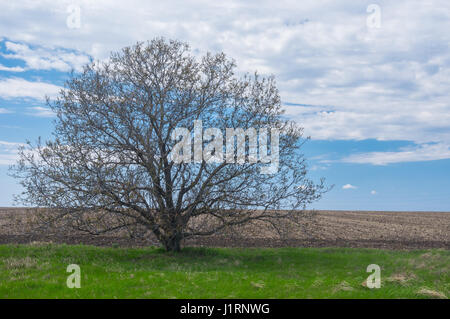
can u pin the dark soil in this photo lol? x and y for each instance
(386, 230)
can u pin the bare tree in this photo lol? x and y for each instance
(110, 165)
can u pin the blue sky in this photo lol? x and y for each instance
(369, 81)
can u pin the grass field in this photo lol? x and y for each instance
(39, 271)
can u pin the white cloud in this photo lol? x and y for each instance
(349, 186)
(8, 158)
(373, 192)
(359, 83)
(9, 152)
(5, 111)
(21, 88)
(42, 58)
(425, 152)
(40, 111)
(11, 69)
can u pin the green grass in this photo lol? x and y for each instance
(39, 271)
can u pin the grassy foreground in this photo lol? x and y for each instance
(39, 271)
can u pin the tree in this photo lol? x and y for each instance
(116, 159)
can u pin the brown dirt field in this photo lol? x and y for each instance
(372, 229)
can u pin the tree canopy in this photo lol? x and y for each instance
(114, 160)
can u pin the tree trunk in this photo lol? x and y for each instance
(172, 243)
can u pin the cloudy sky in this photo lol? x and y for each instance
(369, 81)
